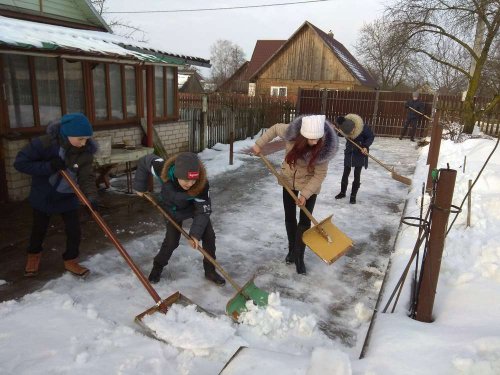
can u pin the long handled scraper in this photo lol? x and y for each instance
(324, 239)
(250, 291)
(161, 306)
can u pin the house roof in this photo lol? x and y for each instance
(21, 34)
(76, 11)
(344, 56)
(262, 52)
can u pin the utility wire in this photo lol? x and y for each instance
(223, 8)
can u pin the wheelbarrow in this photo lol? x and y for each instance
(160, 306)
(324, 238)
(249, 292)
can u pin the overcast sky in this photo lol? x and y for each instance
(193, 33)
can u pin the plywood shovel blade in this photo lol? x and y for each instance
(162, 308)
(327, 250)
(250, 291)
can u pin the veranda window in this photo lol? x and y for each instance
(17, 78)
(165, 92)
(47, 86)
(74, 95)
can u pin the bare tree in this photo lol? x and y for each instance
(470, 25)
(385, 54)
(226, 57)
(443, 78)
(490, 83)
(119, 26)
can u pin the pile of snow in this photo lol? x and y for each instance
(275, 320)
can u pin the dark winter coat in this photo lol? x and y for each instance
(50, 193)
(363, 136)
(179, 203)
(299, 177)
(415, 104)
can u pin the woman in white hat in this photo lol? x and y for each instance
(310, 144)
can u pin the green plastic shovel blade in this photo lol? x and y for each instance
(250, 291)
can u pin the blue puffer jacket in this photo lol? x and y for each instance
(49, 191)
(363, 136)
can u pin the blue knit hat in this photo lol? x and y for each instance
(75, 125)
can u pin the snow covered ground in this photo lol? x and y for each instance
(314, 324)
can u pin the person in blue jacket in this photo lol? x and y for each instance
(353, 127)
(66, 146)
(184, 194)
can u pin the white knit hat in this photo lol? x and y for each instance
(313, 127)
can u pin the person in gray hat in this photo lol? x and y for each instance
(352, 126)
(412, 116)
(184, 195)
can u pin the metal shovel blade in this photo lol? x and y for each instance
(162, 308)
(326, 250)
(250, 291)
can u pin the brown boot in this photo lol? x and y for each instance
(32, 264)
(76, 269)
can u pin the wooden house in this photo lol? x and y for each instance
(310, 58)
(58, 57)
(190, 81)
(239, 82)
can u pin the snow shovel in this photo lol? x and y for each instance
(161, 305)
(250, 291)
(324, 238)
(420, 113)
(394, 175)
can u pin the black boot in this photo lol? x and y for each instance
(343, 189)
(354, 191)
(291, 230)
(214, 277)
(154, 275)
(211, 274)
(300, 247)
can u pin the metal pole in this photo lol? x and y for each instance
(149, 105)
(433, 156)
(469, 203)
(324, 95)
(204, 122)
(432, 262)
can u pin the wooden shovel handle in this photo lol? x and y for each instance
(287, 187)
(185, 234)
(420, 113)
(358, 146)
(97, 217)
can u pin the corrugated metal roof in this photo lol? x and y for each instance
(26, 34)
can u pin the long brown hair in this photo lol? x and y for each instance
(300, 149)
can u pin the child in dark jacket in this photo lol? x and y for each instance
(66, 146)
(353, 127)
(184, 195)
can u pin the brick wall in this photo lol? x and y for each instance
(175, 138)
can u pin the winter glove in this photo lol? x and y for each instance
(57, 164)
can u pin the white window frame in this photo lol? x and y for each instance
(278, 88)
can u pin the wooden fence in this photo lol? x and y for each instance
(385, 110)
(215, 117)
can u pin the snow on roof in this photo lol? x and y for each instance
(27, 34)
